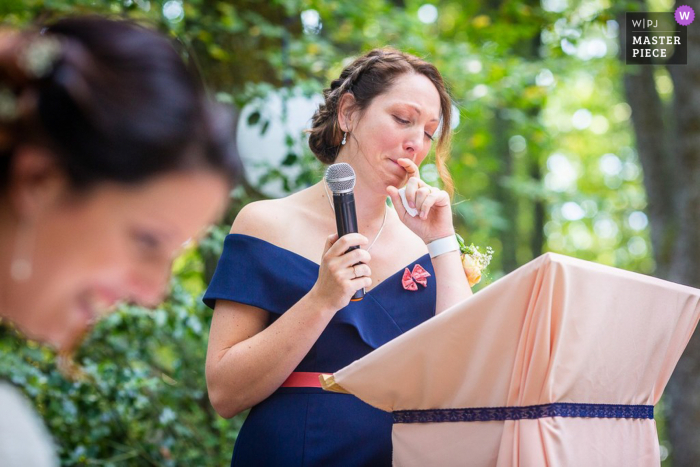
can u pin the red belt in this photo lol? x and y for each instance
(301, 379)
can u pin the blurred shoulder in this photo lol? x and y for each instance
(21, 426)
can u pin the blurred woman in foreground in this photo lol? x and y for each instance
(111, 158)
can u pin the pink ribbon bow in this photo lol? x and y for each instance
(418, 275)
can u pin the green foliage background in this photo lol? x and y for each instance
(530, 177)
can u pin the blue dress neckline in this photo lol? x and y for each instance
(255, 272)
(317, 266)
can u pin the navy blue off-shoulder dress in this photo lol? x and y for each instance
(309, 426)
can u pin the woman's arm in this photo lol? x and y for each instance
(452, 283)
(248, 360)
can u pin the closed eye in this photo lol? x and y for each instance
(406, 122)
(148, 243)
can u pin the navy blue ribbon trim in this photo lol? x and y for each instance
(557, 409)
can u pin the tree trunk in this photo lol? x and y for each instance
(538, 210)
(503, 193)
(683, 394)
(670, 158)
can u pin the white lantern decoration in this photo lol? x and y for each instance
(262, 138)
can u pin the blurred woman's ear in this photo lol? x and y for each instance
(35, 182)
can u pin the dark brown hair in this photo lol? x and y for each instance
(367, 77)
(111, 100)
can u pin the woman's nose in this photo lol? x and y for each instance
(413, 146)
(149, 286)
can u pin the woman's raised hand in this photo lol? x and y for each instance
(434, 218)
(339, 275)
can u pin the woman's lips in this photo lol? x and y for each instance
(399, 169)
(95, 306)
(87, 311)
(396, 164)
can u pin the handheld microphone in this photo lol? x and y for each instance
(341, 181)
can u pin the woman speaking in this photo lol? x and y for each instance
(282, 290)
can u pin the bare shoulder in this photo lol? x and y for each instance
(261, 219)
(273, 220)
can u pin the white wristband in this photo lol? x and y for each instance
(443, 245)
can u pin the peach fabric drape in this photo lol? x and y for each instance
(556, 330)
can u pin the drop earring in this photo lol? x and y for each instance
(345, 138)
(21, 266)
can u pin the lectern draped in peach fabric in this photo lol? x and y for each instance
(591, 346)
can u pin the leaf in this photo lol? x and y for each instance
(291, 159)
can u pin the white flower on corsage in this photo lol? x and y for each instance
(474, 261)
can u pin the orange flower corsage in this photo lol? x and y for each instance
(474, 261)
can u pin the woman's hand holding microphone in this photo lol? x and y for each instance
(339, 274)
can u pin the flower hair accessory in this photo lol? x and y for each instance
(39, 56)
(24, 59)
(473, 261)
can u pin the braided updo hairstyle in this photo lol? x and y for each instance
(365, 78)
(111, 101)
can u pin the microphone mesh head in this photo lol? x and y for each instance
(340, 178)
